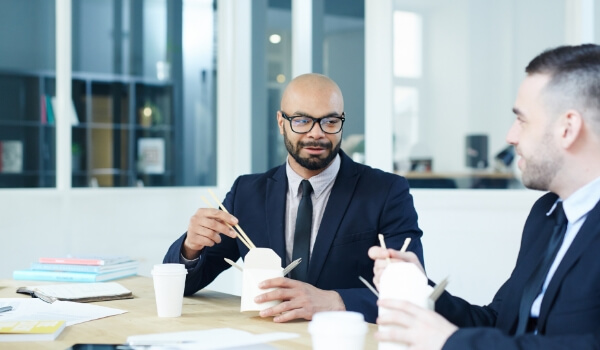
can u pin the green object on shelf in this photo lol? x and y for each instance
(75, 149)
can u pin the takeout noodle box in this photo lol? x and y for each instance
(403, 281)
(260, 264)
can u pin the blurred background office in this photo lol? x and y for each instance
(116, 115)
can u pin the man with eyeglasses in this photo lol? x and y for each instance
(319, 206)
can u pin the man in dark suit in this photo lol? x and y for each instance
(552, 298)
(349, 205)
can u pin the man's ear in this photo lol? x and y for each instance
(571, 126)
(280, 121)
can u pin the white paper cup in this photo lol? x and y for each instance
(402, 281)
(338, 330)
(250, 289)
(169, 283)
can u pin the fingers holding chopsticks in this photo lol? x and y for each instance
(383, 257)
(204, 230)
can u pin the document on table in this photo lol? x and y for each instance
(218, 338)
(71, 312)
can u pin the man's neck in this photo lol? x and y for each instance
(573, 181)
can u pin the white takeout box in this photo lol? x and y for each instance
(403, 281)
(260, 264)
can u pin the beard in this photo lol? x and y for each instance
(542, 167)
(312, 162)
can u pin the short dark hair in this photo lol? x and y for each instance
(575, 77)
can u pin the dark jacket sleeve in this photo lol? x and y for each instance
(495, 339)
(211, 262)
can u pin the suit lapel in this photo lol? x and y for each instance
(339, 199)
(275, 212)
(507, 320)
(582, 241)
(537, 232)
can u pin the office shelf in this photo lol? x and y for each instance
(122, 130)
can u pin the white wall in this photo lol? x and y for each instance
(474, 57)
(473, 236)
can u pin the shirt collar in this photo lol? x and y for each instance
(318, 182)
(580, 202)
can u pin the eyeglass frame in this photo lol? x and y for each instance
(342, 118)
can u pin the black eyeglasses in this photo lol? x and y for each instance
(302, 124)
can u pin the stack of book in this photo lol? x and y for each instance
(79, 269)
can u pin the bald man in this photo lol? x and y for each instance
(344, 207)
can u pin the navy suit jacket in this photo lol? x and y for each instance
(570, 312)
(363, 203)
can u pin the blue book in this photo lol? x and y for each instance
(84, 268)
(68, 276)
(49, 110)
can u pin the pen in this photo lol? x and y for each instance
(5, 308)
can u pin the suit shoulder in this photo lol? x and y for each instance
(545, 202)
(374, 174)
(255, 179)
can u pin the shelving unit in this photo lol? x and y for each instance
(114, 116)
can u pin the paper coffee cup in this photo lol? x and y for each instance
(169, 283)
(338, 330)
(402, 281)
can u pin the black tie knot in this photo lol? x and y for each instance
(559, 214)
(306, 188)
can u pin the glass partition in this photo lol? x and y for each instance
(144, 88)
(27, 136)
(457, 67)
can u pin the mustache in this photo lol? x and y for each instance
(314, 144)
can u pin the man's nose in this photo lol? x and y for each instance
(316, 131)
(512, 137)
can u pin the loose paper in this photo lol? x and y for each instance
(71, 312)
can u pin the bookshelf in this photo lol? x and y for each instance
(114, 116)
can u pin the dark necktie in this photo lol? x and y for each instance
(301, 247)
(535, 283)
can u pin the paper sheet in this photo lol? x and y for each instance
(219, 338)
(71, 312)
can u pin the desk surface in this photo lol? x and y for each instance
(204, 310)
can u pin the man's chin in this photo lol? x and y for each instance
(314, 162)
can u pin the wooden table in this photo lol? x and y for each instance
(204, 310)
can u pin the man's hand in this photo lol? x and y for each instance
(418, 328)
(298, 299)
(203, 230)
(380, 256)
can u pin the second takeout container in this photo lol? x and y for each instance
(259, 264)
(403, 281)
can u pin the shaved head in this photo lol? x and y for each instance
(312, 86)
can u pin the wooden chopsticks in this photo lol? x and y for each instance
(402, 250)
(382, 243)
(240, 233)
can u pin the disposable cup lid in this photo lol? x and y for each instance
(169, 269)
(347, 322)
